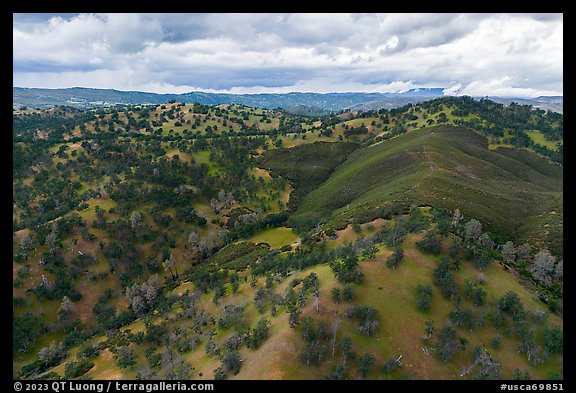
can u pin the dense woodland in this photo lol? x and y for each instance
(174, 240)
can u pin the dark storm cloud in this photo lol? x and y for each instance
(32, 18)
(52, 67)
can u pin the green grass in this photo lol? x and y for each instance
(270, 197)
(254, 120)
(54, 148)
(336, 184)
(89, 214)
(349, 235)
(238, 255)
(306, 166)
(275, 237)
(181, 155)
(289, 141)
(30, 356)
(442, 166)
(203, 208)
(367, 121)
(540, 139)
(203, 157)
(391, 291)
(402, 326)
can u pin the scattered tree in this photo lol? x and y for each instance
(348, 293)
(487, 367)
(346, 349)
(170, 265)
(523, 252)
(26, 245)
(394, 259)
(508, 252)
(335, 295)
(429, 329)
(135, 220)
(424, 297)
(146, 374)
(231, 362)
(143, 296)
(367, 317)
(255, 337)
(543, 267)
(553, 340)
(443, 277)
(472, 230)
(447, 345)
(65, 309)
(366, 362)
(125, 357)
(431, 242)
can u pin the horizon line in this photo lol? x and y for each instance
(289, 92)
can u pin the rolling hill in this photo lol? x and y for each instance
(306, 166)
(443, 166)
(191, 241)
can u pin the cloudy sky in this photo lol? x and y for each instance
(517, 55)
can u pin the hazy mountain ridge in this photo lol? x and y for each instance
(91, 98)
(552, 103)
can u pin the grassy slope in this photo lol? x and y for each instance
(444, 166)
(306, 166)
(540, 139)
(275, 237)
(393, 293)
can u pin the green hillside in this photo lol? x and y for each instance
(306, 166)
(189, 241)
(401, 331)
(443, 166)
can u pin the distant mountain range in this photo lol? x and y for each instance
(553, 103)
(311, 103)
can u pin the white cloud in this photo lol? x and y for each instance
(502, 87)
(518, 53)
(326, 86)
